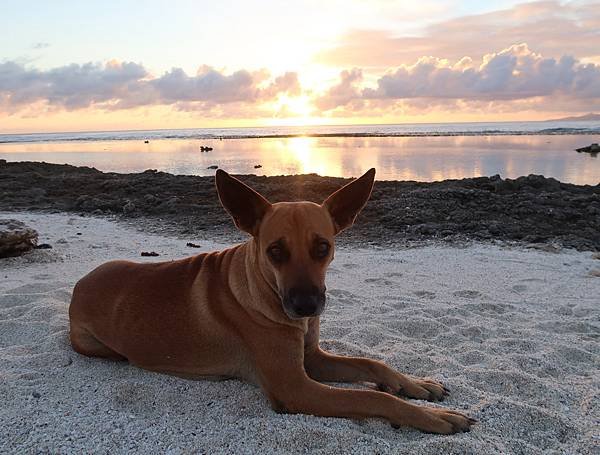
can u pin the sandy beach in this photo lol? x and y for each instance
(513, 332)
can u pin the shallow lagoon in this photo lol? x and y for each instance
(396, 158)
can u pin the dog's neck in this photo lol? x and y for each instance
(255, 284)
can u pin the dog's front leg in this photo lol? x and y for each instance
(323, 366)
(290, 390)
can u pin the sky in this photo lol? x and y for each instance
(114, 65)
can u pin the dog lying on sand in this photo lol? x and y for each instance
(252, 312)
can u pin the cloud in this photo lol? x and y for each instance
(515, 73)
(123, 85)
(342, 93)
(210, 85)
(554, 28)
(72, 86)
(512, 73)
(286, 83)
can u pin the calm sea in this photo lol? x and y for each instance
(422, 152)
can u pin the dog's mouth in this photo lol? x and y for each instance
(300, 304)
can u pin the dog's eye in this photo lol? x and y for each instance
(276, 253)
(322, 250)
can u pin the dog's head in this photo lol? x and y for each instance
(294, 240)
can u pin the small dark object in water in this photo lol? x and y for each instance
(146, 142)
(149, 253)
(43, 246)
(205, 148)
(257, 166)
(594, 149)
(193, 245)
(79, 233)
(214, 166)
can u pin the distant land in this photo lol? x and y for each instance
(589, 116)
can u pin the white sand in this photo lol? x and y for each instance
(514, 333)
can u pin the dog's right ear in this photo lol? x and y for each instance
(345, 204)
(245, 205)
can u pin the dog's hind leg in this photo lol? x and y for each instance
(85, 343)
(323, 366)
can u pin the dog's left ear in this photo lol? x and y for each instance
(348, 201)
(245, 205)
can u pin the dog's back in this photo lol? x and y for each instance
(187, 301)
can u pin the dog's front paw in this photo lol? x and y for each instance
(442, 421)
(420, 389)
(426, 389)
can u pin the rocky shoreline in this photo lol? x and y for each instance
(530, 210)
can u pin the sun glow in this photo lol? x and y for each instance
(294, 111)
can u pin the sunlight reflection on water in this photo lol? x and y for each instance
(396, 158)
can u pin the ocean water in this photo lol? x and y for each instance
(423, 152)
(405, 129)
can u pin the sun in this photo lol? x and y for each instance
(294, 110)
(299, 105)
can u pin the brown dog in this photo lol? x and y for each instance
(251, 312)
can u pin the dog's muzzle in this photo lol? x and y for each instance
(304, 302)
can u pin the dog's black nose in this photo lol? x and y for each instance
(303, 302)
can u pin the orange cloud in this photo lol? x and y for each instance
(554, 28)
(515, 73)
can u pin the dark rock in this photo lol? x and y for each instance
(193, 245)
(257, 166)
(474, 208)
(149, 254)
(36, 193)
(129, 207)
(150, 199)
(170, 204)
(552, 184)
(536, 181)
(16, 238)
(81, 199)
(501, 186)
(214, 166)
(90, 204)
(43, 246)
(594, 149)
(146, 142)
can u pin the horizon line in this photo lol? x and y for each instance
(289, 126)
